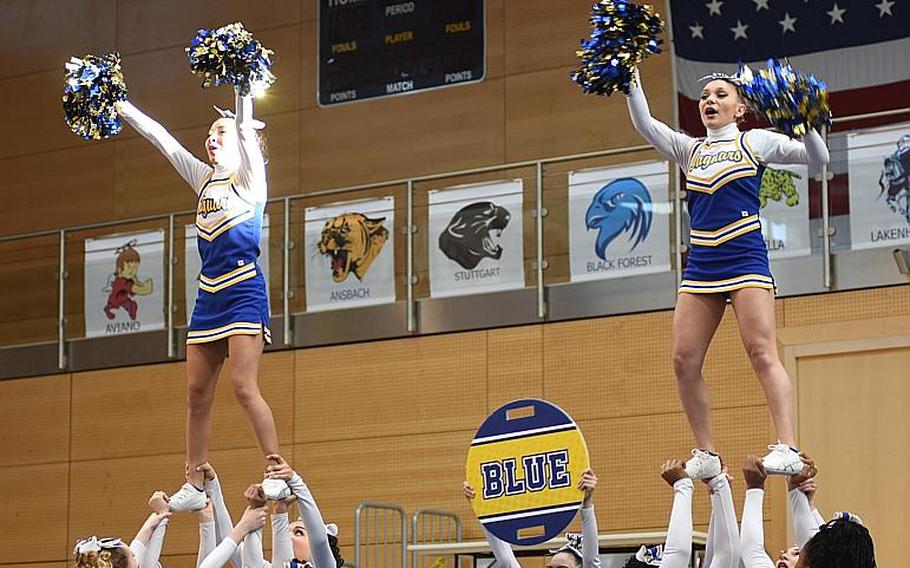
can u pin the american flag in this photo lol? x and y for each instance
(860, 48)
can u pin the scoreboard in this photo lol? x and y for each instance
(377, 48)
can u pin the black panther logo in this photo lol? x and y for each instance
(473, 232)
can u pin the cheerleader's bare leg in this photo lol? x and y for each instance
(694, 322)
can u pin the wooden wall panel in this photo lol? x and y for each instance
(35, 420)
(541, 34)
(58, 189)
(39, 36)
(144, 26)
(852, 409)
(846, 306)
(27, 103)
(28, 290)
(153, 398)
(409, 135)
(33, 499)
(423, 470)
(406, 387)
(515, 365)
(623, 366)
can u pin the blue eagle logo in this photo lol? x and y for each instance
(623, 205)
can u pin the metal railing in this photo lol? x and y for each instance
(539, 215)
(431, 526)
(389, 551)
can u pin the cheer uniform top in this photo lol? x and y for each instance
(232, 297)
(723, 175)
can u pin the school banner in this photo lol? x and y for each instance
(193, 263)
(879, 172)
(476, 239)
(784, 202)
(619, 221)
(124, 284)
(350, 254)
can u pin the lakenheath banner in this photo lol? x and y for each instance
(124, 284)
(524, 465)
(784, 202)
(619, 221)
(193, 263)
(476, 239)
(879, 172)
(350, 254)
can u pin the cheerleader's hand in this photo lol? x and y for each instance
(279, 469)
(468, 490)
(588, 483)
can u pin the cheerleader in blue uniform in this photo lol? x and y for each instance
(727, 258)
(232, 310)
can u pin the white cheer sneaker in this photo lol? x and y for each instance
(703, 464)
(187, 498)
(782, 460)
(275, 489)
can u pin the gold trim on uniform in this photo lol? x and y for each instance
(727, 285)
(726, 233)
(236, 328)
(227, 280)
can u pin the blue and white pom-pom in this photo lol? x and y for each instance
(230, 55)
(623, 34)
(791, 102)
(92, 85)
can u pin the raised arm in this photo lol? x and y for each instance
(251, 173)
(146, 545)
(590, 547)
(502, 552)
(251, 551)
(191, 169)
(252, 520)
(752, 532)
(752, 536)
(222, 517)
(320, 550)
(774, 148)
(726, 546)
(801, 488)
(678, 546)
(282, 549)
(672, 144)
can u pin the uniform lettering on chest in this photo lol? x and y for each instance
(704, 161)
(208, 205)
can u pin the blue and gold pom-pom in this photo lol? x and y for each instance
(791, 102)
(230, 55)
(623, 34)
(92, 85)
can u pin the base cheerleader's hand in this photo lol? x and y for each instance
(808, 472)
(588, 483)
(672, 471)
(281, 469)
(754, 473)
(468, 491)
(252, 519)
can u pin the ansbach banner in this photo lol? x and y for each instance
(879, 172)
(124, 284)
(350, 254)
(193, 263)
(619, 221)
(524, 465)
(784, 204)
(475, 239)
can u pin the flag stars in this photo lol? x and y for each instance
(884, 7)
(697, 31)
(837, 14)
(739, 31)
(714, 7)
(787, 24)
(761, 5)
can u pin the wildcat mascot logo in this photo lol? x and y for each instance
(352, 241)
(895, 179)
(621, 206)
(473, 232)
